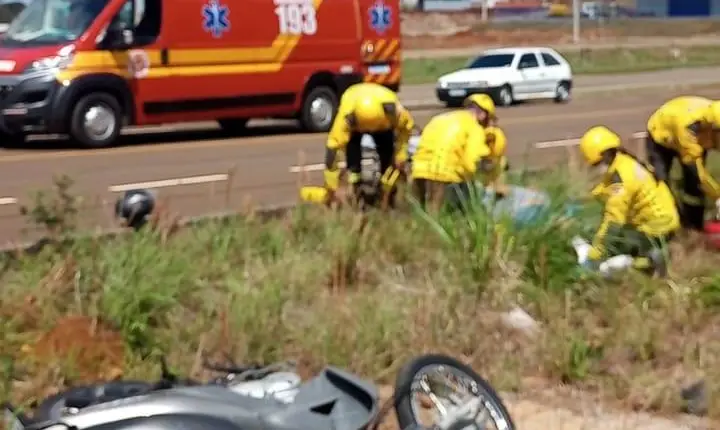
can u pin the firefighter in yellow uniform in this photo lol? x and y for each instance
(373, 109)
(684, 128)
(452, 148)
(640, 211)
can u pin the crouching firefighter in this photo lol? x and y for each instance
(684, 128)
(452, 148)
(640, 214)
(373, 109)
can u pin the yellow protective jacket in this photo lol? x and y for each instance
(450, 148)
(679, 125)
(633, 198)
(494, 173)
(343, 126)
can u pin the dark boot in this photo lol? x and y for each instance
(693, 217)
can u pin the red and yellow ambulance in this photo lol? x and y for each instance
(88, 67)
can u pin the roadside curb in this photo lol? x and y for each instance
(428, 104)
(12, 251)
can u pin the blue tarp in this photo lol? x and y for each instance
(521, 204)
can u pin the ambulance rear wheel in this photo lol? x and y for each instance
(319, 109)
(96, 120)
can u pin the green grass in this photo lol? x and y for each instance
(366, 293)
(600, 61)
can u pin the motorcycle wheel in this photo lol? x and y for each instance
(415, 378)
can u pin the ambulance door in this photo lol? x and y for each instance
(381, 41)
(225, 58)
(143, 63)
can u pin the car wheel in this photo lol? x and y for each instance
(319, 109)
(562, 93)
(96, 120)
(505, 96)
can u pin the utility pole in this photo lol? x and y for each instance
(576, 21)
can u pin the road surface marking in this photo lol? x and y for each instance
(8, 201)
(191, 180)
(428, 102)
(539, 145)
(576, 141)
(321, 166)
(557, 143)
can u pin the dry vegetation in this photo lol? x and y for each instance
(462, 30)
(365, 292)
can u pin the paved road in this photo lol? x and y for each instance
(415, 96)
(233, 173)
(631, 42)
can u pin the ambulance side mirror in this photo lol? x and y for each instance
(128, 37)
(118, 38)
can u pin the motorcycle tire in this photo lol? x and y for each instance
(499, 413)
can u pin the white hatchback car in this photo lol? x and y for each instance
(509, 75)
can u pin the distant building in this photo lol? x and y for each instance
(680, 8)
(456, 5)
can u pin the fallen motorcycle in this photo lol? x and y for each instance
(273, 397)
(371, 178)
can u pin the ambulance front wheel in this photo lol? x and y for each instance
(318, 110)
(96, 120)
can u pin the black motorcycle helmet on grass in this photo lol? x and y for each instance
(135, 208)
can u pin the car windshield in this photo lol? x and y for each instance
(53, 21)
(492, 60)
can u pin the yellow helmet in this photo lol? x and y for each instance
(370, 114)
(483, 101)
(713, 115)
(497, 140)
(596, 141)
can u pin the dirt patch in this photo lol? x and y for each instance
(467, 39)
(463, 30)
(586, 415)
(95, 350)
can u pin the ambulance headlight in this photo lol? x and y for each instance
(57, 62)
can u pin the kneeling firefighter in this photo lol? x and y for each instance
(373, 109)
(684, 128)
(640, 212)
(452, 148)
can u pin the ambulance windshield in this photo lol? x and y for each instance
(52, 21)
